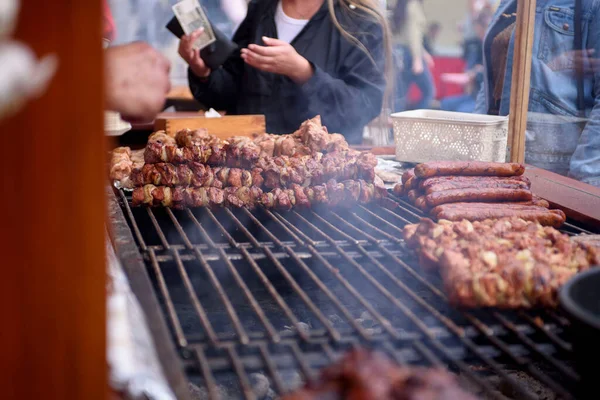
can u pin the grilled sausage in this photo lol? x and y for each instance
(554, 218)
(468, 168)
(484, 184)
(412, 183)
(479, 195)
(407, 175)
(522, 205)
(474, 180)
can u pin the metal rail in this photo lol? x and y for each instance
(289, 291)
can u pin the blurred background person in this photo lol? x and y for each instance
(563, 125)
(433, 31)
(298, 59)
(409, 28)
(472, 78)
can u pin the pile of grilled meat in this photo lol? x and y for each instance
(195, 169)
(363, 374)
(476, 191)
(506, 263)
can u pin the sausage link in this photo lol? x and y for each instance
(468, 168)
(484, 184)
(407, 175)
(554, 218)
(425, 183)
(477, 195)
(412, 183)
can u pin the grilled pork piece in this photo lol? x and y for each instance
(120, 163)
(123, 162)
(332, 193)
(506, 263)
(362, 374)
(468, 168)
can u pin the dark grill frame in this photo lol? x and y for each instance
(194, 244)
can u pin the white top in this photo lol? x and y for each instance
(287, 28)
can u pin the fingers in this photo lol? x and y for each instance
(256, 58)
(273, 42)
(262, 50)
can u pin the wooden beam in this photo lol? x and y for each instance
(52, 291)
(521, 73)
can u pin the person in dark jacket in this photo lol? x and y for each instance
(298, 59)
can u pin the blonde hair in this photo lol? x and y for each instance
(373, 10)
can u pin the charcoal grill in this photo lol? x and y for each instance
(256, 302)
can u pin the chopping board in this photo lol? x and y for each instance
(224, 127)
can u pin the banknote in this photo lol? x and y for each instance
(192, 17)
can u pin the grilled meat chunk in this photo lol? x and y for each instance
(506, 263)
(362, 374)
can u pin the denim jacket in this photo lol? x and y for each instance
(560, 137)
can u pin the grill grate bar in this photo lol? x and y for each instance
(274, 293)
(207, 376)
(532, 346)
(180, 230)
(255, 306)
(561, 344)
(235, 319)
(136, 229)
(386, 293)
(384, 322)
(159, 231)
(241, 373)
(329, 294)
(181, 340)
(271, 368)
(302, 363)
(201, 229)
(200, 311)
(335, 335)
(383, 221)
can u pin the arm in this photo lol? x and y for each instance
(356, 98)
(220, 89)
(585, 162)
(414, 19)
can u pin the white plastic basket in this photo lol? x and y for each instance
(429, 135)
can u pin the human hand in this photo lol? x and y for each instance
(279, 58)
(417, 66)
(429, 60)
(137, 80)
(191, 55)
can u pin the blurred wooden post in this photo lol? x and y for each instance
(521, 73)
(52, 287)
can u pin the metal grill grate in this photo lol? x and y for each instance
(264, 299)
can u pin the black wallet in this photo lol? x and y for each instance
(213, 55)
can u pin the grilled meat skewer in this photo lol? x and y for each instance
(196, 175)
(333, 193)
